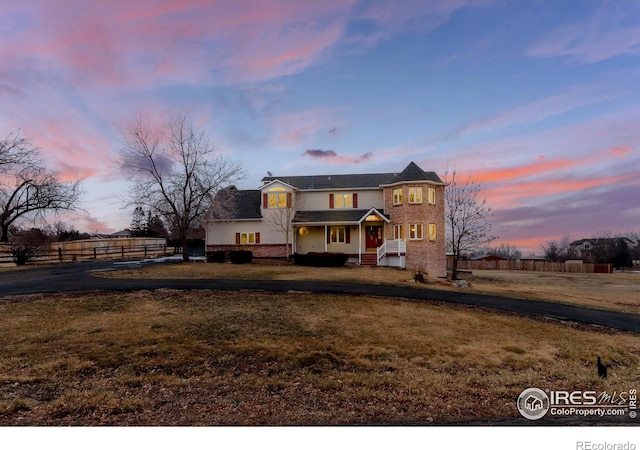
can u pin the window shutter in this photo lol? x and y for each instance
(355, 199)
(330, 201)
(347, 235)
(288, 199)
(265, 201)
(237, 238)
(329, 234)
(257, 238)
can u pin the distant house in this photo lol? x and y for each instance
(486, 258)
(393, 219)
(590, 249)
(126, 233)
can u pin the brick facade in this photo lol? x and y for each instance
(259, 250)
(424, 253)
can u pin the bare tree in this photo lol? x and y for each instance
(27, 189)
(466, 217)
(281, 218)
(505, 251)
(176, 172)
(553, 251)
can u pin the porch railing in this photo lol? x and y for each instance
(394, 246)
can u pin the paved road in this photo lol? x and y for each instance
(79, 277)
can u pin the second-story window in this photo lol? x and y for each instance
(278, 197)
(431, 193)
(415, 194)
(397, 196)
(341, 200)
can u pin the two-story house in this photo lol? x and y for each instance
(392, 219)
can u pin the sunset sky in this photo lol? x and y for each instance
(538, 100)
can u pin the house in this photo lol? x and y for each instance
(391, 219)
(597, 248)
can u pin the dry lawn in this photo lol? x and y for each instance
(618, 291)
(212, 358)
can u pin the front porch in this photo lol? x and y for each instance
(357, 233)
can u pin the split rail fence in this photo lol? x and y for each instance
(93, 249)
(537, 266)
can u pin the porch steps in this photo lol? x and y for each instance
(369, 259)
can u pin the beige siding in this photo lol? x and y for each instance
(319, 201)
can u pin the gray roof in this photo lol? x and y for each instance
(237, 204)
(332, 216)
(352, 181)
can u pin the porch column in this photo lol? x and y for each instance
(359, 242)
(326, 233)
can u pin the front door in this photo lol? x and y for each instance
(373, 236)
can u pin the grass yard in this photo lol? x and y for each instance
(219, 358)
(618, 291)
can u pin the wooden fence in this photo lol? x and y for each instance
(537, 266)
(93, 249)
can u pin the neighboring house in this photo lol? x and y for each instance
(586, 249)
(392, 219)
(486, 258)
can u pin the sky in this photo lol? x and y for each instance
(538, 101)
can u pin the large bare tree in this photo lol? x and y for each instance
(466, 217)
(175, 172)
(28, 190)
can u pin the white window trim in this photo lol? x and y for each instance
(398, 231)
(400, 196)
(337, 232)
(431, 196)
(340, 201)
(432, 236)
(418, 227)
(415, 190)
(248, 238)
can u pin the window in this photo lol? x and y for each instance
(415, 231)
(431, 193)
(398, 231)
(341, 201)
(278, 198)
(432, 231)
(337, 235)
(397, 196)
(247, 238)
(415, 194)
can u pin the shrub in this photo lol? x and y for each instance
(241, 256)
(215, 257)
(320, 259)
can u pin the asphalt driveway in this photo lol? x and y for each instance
(80, 277)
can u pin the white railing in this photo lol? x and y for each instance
(392, 247)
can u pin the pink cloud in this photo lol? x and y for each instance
(621, 152)
(209, 42)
